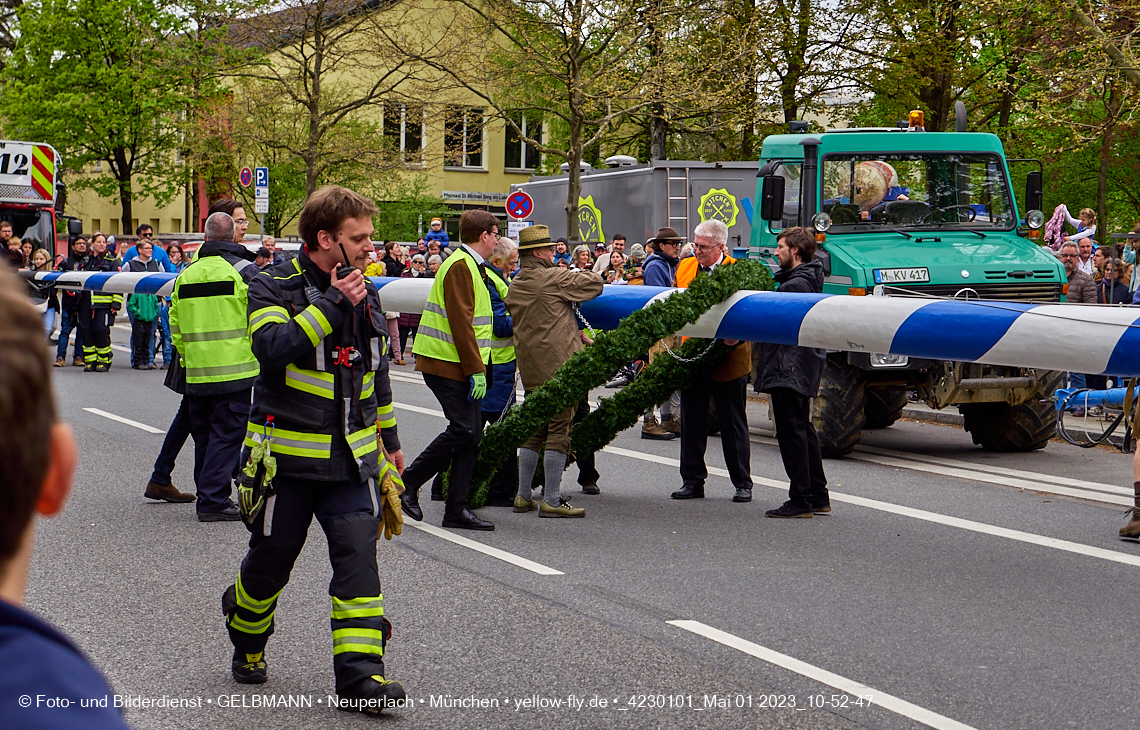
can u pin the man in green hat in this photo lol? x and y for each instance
(542, 300)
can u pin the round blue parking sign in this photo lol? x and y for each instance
(519, 205)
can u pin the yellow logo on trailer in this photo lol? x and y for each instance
(589, 221)
(719, 204)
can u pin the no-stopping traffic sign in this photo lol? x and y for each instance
(246, 177)
(519, 205)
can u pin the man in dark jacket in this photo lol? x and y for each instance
(791, 375)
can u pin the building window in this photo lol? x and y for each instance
(403, 127)
(96, 224)
(176, 225)
(519, 155)
(463, 129)
(98, 166)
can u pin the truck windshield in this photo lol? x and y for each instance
(869, 192)
(30, 225)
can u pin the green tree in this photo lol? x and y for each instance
(84, 77)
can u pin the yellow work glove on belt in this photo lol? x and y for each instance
(391, 487)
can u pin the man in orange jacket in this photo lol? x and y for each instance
(723, 384)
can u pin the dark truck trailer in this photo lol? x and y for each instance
(636, 200)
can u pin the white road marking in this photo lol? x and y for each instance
(969, 525)
(121, 348)
(418, 409)
(918, 514)
(1066, 481)
(120, 419)
(1007, 481)
(481, 548)
(1093, 491)
(477, 546)
(843, 684)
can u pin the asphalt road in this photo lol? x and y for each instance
(956, 588)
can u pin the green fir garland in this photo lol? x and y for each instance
(654, 385)
(592, 367)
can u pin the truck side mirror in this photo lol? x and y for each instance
(74, 227)
(1033, 193)
(772, 198)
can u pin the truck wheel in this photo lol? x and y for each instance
(884, 407)
(837, 412)
(1027, 427)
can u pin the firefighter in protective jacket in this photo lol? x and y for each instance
(321, 405)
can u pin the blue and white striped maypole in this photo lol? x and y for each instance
(1070, 337)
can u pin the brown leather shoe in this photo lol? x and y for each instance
(78, 363)
(166, 492)
(650, 429)
(58, 362)
(1132, 529)
(400, 361)
(672, 424)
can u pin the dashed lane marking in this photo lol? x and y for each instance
(843, 684)
(481, 548)
(969, 525)
(120, 419)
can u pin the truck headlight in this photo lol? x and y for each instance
(1034, 219)
(885, 360)
(821, 222)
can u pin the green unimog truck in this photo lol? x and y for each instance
(905, 212)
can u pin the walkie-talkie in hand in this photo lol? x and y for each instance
(342, 272)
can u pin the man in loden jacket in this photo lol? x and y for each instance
(791, 375)
(541, 301)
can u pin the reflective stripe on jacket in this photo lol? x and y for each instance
(208, 325)
(434, 338)
(326, 410)
(502, 348)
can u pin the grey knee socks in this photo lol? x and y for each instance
(554, 462)
(528, 464)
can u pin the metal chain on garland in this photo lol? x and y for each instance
(688, 360)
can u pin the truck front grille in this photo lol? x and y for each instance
(1029, 291)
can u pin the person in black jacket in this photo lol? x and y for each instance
(97, 310)
(791, 375)
(323, 404)
(69, 306)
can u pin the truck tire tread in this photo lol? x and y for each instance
(1026, 427)
(884, 407)
(837, 412)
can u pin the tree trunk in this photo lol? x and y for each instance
(312, 151)
(192, 206)
(1102, 173)
(574, 182)
(123, 170)
(658, 132)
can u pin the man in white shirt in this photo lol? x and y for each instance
(616, 244)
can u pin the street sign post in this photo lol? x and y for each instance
(519, 205)
(261, 194)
